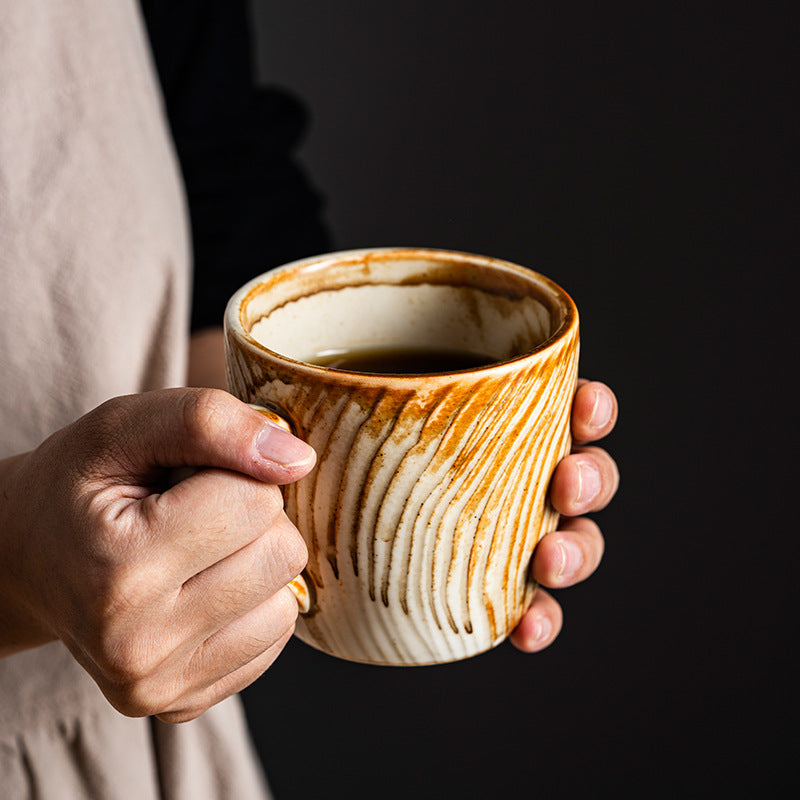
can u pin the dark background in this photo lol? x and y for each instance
(642, 156)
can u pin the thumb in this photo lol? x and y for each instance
(136, 436)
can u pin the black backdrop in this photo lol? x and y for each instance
(641, 156)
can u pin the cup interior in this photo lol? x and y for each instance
(404, 298)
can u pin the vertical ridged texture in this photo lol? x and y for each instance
(427, 500)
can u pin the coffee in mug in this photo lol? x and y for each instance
(401, 360)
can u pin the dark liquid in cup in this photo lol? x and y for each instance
(402, 360)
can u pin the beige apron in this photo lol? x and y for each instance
(94, 264)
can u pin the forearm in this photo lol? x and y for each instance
(207, 359)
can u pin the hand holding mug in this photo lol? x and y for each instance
(172, 597)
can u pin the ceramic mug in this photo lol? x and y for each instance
(430, 491)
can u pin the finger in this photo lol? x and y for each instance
(540, 625)
(193, 428)
(594, 411)
(192, 706)
(144, 680)
(584, 481)
(233, 586)
(204, 519)
(569, 555)
(242, 641)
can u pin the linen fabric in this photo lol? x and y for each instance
(94, 302)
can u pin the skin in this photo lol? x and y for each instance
(585, 481)
(161, 515)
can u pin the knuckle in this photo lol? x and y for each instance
(276, 624)
(81, 447)
(120, 592)
(115, 530)
(233, 599)
(133, 677)
(289, 553)
(109, 416)
(265, 505)
(137, 699)
(127, 651)
(205, 411)
(285, 616)
(109, 431)
(126, 661)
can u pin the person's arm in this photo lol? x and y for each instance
(207, 359)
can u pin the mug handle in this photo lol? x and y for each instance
(298, 585)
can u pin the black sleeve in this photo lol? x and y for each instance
(250, 204)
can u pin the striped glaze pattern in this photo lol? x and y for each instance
(427, 500)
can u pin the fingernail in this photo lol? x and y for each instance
(601, 413)
(571, 559)
(280, 446)
(588, 482)
(540, 629)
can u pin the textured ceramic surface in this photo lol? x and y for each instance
(430, 492)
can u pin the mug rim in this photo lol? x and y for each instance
(549, 292)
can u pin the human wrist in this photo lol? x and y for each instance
(19, 627)
(206, 367)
